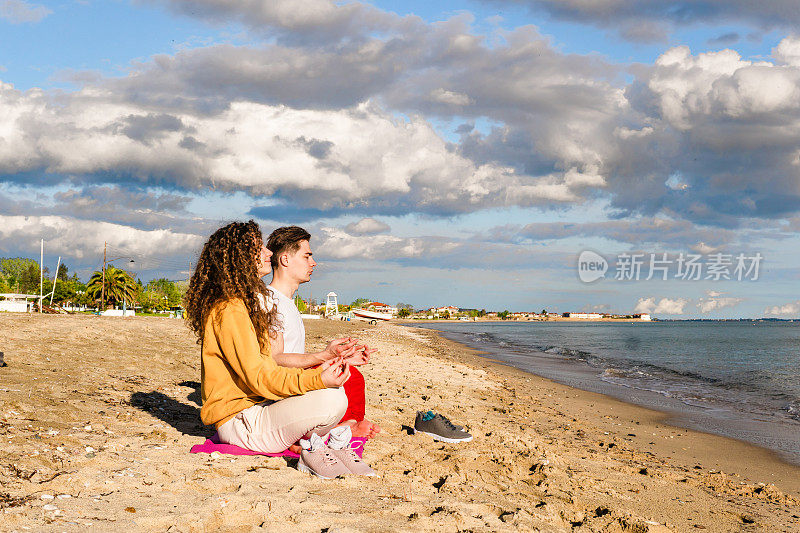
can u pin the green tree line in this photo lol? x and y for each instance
(20, 275)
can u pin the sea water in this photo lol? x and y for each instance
(734, 378)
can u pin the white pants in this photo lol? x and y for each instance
(273, 426)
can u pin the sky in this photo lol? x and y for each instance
(461, 153)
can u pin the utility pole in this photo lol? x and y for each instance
(41, 277)
(103, 287)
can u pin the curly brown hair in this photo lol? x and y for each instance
(227, 270)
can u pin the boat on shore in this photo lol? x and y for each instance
(365, 314)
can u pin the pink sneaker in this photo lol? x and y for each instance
(316, 458)
(339, 445)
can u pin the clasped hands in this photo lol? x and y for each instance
(339, 355)
(349, 350)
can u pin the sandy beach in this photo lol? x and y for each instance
(97, 416)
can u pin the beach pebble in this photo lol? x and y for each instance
(46, 496)
(215, 455)
(87, 427)
(50, 507)
(63, 496)
(89, 449)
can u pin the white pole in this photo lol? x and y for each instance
(41, 276)
(55, 280)
(103, 287)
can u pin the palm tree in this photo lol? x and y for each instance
(119, 285)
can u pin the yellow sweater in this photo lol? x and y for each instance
(236, 374)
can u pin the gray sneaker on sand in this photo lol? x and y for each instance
(316, 458)
(439, 427)
(339, 444)
(429, 414)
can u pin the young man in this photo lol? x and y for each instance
(293, 264)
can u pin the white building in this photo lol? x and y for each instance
(379, 307)
(120, 312)
(588, 316)
(442, 310)
(17, 303)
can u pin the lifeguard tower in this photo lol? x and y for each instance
(331, 305)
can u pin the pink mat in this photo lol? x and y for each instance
(214, 445)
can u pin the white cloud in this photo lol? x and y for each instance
(19, 11)
(721, 85)
(367, 226)
(628, 133)
(791, 308)
(730, 126)
(788, 52)
(450, 97)
(649, 21)
(703, 248)
(645, 305)
(664, 306)
(727, 126)
(322, 159)
(316, 124)
(636, 20)
(315, 20)
(84, 238)
(715, 301)
(674, 234)
(337, 244)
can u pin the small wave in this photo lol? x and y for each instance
(650, 370)
(794, 409)
(614, 373)
(566, 352)
(481, 337)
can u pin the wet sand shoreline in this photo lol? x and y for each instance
(667, 410)
(715, 452)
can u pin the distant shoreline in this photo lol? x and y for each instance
(593, 320)
(559, 319)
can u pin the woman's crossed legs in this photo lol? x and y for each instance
(272, 427)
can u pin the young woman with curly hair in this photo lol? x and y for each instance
(253, 402)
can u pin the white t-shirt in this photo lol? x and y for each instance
(289, 321)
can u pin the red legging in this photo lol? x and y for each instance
(354, 390)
